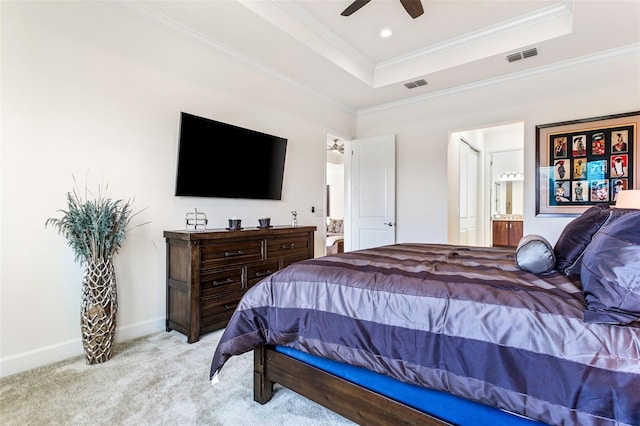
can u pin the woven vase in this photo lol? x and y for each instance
(98, 310)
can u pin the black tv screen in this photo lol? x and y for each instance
(221, 160)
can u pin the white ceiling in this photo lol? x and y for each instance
(455, 45)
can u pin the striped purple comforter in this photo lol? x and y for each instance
(460, 319)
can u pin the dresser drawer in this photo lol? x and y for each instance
(288, 246)
(212, 308)
(255, 273)
(216, 282)
(215, 321)
(225, 253)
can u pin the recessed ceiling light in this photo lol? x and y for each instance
(385, 33)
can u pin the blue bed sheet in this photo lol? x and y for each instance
(445, 406)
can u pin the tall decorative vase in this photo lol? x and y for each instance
(98, 310)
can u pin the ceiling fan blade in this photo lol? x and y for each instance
(353, 7)
(413, 7)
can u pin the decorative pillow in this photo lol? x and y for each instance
(610, 272)
(336, 226)
(535, 254)
(576, 236)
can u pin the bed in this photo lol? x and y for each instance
(467, 323)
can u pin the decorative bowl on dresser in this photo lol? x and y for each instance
(208, 272)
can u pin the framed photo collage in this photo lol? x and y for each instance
(584, 163)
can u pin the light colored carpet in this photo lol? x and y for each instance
(155, 380)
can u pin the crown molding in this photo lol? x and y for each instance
(542, 24)
(489, 33)
(321, 30)
(525, 30)
(306, 29)
(151, 16)
(607, 55)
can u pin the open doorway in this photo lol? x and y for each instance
(360, 192)
(501, 160)
(335, 195)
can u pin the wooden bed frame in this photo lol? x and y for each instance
(338, 395)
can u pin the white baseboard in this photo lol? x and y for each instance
(71, 348)
(139, 329)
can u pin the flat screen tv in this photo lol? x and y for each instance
(221, 160)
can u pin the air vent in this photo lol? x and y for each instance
(514, 57)
(522, 55)
(417, 83)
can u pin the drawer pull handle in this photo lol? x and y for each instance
(263, 274)
(289, 246)
(230, 306)
(227, 281)
(233, 253)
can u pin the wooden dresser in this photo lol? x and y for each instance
(208, 272)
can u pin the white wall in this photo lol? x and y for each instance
(92, 92)
(423, 130)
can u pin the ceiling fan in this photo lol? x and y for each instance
(335, 147)
(413, 7)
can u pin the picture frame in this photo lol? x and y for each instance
(585, 162)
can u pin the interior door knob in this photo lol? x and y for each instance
(388, 224)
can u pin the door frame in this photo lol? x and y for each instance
(491, 188)
(453, 187)
(488, 144)
(329, 134)
(480, 236)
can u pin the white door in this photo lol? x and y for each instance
(468, 216)
(371, 192)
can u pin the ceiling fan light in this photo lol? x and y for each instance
(338, 149)
(386, 33)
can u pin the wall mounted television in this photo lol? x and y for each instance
(221, 160)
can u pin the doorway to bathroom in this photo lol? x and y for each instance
(498, 154)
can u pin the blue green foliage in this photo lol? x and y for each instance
(95, 228)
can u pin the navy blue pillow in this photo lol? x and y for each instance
(576, 236)
(610, 271)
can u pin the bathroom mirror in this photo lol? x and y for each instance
(507, 190)
(508, 198)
